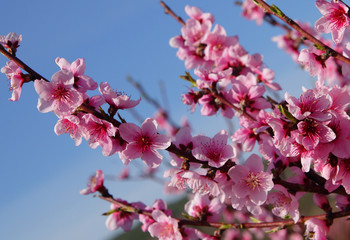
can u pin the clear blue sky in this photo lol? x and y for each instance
(42, 173)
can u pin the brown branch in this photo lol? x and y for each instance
(170, 12)
(294, 25)
(227, 103)
(280, 224)
(21, 64)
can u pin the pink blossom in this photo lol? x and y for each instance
(70, 124)
(11, 41)
(81, 82)
(335, 18)
(251, 180)
(207, 78)
(215, 150)
(252, 11)
(58, 96)
(311, 132)
(196, 13)
(316, 229)
(118, 100)
(101, 133)
(14, 73)
(143, 142)
(267, 76)
(344, 174)
(204, 209)
(198, 183)
(340, 146)
(284, 203)
(165, 227)
(310, 105)
(183, 141)
(342, 202)
(95, 183)
(120, 218)
(216, 42)
(194, 32)
(246, 95)
(288, 44)
(147, 220)
(312, 62)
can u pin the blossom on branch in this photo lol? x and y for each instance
(335, 18)
(143, 142)
(14, 73)
(58, 96)
(81, 82)
(95, 183)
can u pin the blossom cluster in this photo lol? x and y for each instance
(308, 136)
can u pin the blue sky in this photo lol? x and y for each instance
(42, 173)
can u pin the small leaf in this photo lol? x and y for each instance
(255, 220)
(225, 226)
(287, 114)
(277, 11)
(273, 230)
(319, 47)
(189, 78)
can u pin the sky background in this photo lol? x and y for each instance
(42, 173)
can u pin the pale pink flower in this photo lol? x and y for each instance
(204, 209)
(115, 99)
(11, 41)
(335, 18)
(143, 142)
(70, 124)
(101, 133)
(183, 141)
(194, 32)
(316, 229)
(288, 44)
(14, 73)
(266, 77)
(252, 11)
(81, 82)
(165, 227)
(310, 104)
(344, 174)
(214, 150)
(251, 180)
(284, 203)
(216, 42)
(246, 95)
(198, 183)
(146, 220)
(95, 183)
(121, 219)
(342, 202)
(311, 132)
(196, 13)
(312, 62)
(340, 146)
(58, 96)
(207, 78)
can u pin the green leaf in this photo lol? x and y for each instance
(277, 11)
(273, 230)
(189, 78)
(255, 220)
(319, 47)
(287, 114)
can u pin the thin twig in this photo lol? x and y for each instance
(304, 33)
(170, 12)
